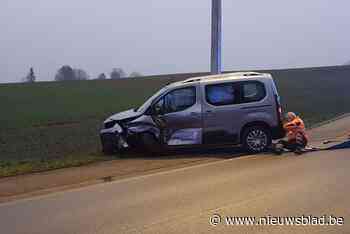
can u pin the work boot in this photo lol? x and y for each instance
(298, 151)
(277, 149)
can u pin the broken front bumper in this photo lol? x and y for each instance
(113, 139)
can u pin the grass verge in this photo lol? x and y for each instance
(13, 168)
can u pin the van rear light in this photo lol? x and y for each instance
(279, 108)
(280, 112)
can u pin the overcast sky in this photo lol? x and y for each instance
(168, 36)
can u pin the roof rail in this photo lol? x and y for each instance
(224, 75)
(192, 80)
(252, 74)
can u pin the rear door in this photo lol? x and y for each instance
(220, 112)
(257, 102)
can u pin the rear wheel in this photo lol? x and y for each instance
(256, 139)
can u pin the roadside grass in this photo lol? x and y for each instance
(15, 167)
(47, 125)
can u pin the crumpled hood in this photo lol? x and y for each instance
(129, 114)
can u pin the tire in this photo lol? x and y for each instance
(150, 143)
(256, 139)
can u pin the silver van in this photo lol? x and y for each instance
(235, 109)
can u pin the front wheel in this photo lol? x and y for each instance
(256, 139)
(109, 144)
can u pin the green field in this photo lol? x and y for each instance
(48, 121)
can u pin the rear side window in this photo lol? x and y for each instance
(221, 94)
(253, 91)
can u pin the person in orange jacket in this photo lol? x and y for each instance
(297, 138)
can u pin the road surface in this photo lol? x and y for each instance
(183, 200)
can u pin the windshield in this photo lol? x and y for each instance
(150, 100)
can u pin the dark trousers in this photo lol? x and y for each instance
(299, 143)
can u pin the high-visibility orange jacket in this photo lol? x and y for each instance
(294, 127)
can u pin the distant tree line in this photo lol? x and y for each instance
(67, 73)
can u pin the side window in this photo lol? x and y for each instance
(178, 100)
(221, 94)
(253, 91)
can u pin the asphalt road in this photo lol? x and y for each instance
(182, 200)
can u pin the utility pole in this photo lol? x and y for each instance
(216, 37)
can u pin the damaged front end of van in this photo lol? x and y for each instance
(125, 130)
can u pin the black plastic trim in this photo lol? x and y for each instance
(254, 107)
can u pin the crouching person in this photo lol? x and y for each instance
(297, 138)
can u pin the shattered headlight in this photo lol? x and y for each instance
(113, 125)
(110, 124)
